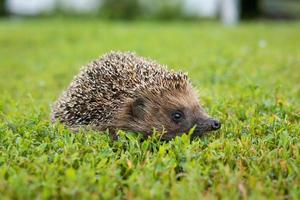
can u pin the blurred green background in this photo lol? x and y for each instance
(156, 9)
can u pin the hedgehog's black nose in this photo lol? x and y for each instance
(215, 124)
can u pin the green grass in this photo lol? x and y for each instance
(247, 76)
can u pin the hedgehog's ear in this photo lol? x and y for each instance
(138, 108)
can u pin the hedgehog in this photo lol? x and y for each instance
(123, 91)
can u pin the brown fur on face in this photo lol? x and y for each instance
(153, 109)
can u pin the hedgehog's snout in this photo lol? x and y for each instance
(206, 125)
(214, 124)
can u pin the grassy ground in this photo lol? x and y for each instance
(247, 76)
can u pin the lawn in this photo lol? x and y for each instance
(247, 76)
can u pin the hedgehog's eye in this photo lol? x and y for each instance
(177, 116)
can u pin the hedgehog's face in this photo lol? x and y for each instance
(172, 113)
(181, 119)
